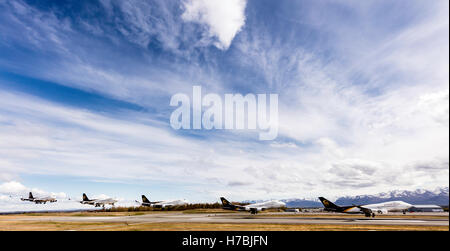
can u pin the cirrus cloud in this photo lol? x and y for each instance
(223, 19)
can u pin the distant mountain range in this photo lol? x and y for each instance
(439, 196)
(420, 196)
(302, 203)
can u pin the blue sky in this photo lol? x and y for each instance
(85, 89)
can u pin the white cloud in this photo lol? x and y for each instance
(13, 188)
(371, 116)
(397, 138)
(283, 145)
(224, 19)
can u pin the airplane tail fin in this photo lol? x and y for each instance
(328, 204)
(85, 198)
(30, 196)
(144, 199)
(225, 202)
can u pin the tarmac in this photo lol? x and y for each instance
(417, 219)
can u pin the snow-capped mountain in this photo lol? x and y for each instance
(302, 203)
(439, 196)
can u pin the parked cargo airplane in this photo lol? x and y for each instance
(97, 202)
(367, 210)
(161, 204)
(252, 208)
(38, 200)
(146, 202)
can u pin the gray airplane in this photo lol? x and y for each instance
(161, 204)
(97, 202)
(37, 200)
(252, 208)
(146, 202)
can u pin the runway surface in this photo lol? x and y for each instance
(241, 218)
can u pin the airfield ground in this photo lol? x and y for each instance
(220, 220)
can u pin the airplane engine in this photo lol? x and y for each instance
(382, 211)
(254, 210)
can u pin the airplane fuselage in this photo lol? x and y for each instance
(163, 204)
(43, 200)
(368, 209)
(98, 202)
(252, 208)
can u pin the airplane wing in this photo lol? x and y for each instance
(38, 201)
(365, 210)
(169, 203)
(237, 207)
(99, 203)
(254, 210)
(162, 204)
(109, 201)
(378, 210)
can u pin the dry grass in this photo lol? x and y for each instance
(83, 214)
(355, 216)
(37, 222)
(79, 226)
